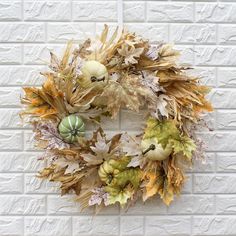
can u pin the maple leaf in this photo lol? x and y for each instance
(70, 166)
(49, 133)
(99, 195)
(130, 53)
(164, 131)
(185, 145)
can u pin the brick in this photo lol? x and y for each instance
(134, 12)
(205, 165)
(22, 32)
(214, 183)
(36, 185)
(225, 204)
(62, 32)
(226, 120)
(132, 225)
(226, 34)
(20, 161)
(9, 118)
(95, 11)
(215, 12)
(206, 74)
(226, 77)
(167, 226)
(100, 225)
(21, 75)
(7, 138)
(216, 56)
(226, 162)
(152, 31)
(214, 226)
(153, 206)
(47, 11)
(11, 183)
(10, 96)
(193, 33)
(40, 54)
(10, 226)
(10, 54)
(10, 10)
(21, 205)
(41, 226)
(190, 204)
(167, 12)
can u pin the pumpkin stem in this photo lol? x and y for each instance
(151, 147)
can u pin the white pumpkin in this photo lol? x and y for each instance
(154, 151)
(93, 72)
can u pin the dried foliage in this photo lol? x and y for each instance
(125, 72)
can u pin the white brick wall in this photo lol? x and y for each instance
(205, 30)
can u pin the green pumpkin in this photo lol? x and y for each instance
(71, 128)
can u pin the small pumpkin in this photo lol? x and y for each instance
(154, 151)
(107, 172)
(93, 72)
(71, 128)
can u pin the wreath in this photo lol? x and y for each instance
(97, 79)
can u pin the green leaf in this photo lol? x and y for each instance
(185, 145)
(118, 194)
(162, 130)
(131, 175)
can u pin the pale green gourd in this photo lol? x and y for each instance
(71, 128)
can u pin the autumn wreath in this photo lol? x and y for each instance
(99, 78)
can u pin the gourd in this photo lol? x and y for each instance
(93, 72)
(107, 172)
(71, 128)
(154, 151)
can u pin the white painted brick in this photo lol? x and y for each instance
(227, 77)
(226, 162)
(132, 225)
(226, 120)
(20, 205)
(47, 10)
(7, 138)
(167, 12)
(22, 32)
(10, 226)
(223, 98)
(21, 75)
(151, 31)
(206, 74)
(214, 183)
(225, 204)
(41, 226)
(216, 56)
(62, 32)
(134, 12)
(99, 225)
(204, 30)
(36, 185)
(20, 161)
(153, 206)
(11, 183)
(193, 33)
(9, 118)
(10, 96)
(216, 12)
(227, 34)
(94, 11)
(206, 165)
(190, 204)
(10, 10)
(214, 226)
(40, 54)
(10, 54)
(220, 141)
(167, 225)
